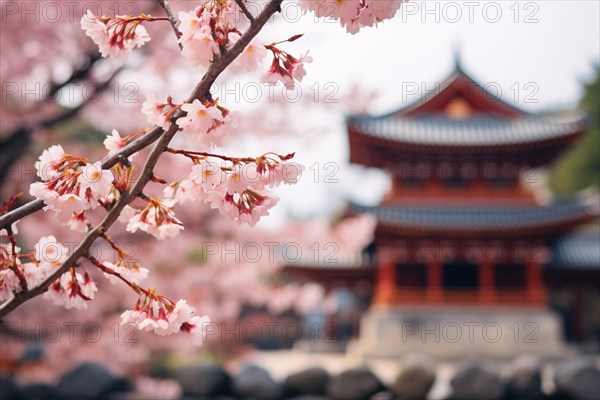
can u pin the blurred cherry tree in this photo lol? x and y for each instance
(94, 78)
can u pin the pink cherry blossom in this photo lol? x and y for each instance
(68, 204)
(78, 223)
(285, 68)
(186, 190)
(97, 179)
(252, 55)
(353, 14)
(220, 200)
(378, 11)
(132, 272)
(42, 191)
(113, 142)
(156, 313)
(257, 209)
(240, 178)
(207, 174)
(156, 219)
(114, 36)
(190, 23)
(49, 161)
(201, 121)
(72, 290)
(196, 326)
(95, 28)
(199, 46)
(156, 112)
(299, 72)
(49, 252)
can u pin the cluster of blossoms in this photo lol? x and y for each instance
(156, 219)
(237, 187)
(70, 185)
(207, 121)
(206, 30)
(116, 36)
(153, 312)
(159, 113)
(72, 290)
(353, 14)
(285, 67)
(130, 271)
(203, 34)
(19, 271)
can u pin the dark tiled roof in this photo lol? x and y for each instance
(481, 217)
(577, 251)
(481, 131)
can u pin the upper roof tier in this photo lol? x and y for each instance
(462, 116)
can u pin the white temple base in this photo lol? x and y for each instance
(459, 332)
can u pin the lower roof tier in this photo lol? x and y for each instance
(496, 221)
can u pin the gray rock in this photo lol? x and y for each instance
(413, 382)
(203, 380)
(354, 384)
(203, 398)
(577, 380)
(477, 382)
(8, 388)
(384, 395)
(88, 381)
(309, 381)
(39, 391)
(526, 380)
(309, 397)
(255, 383)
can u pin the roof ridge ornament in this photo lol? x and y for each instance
(457, 58)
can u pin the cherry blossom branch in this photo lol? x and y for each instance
(152, 135)
(188, 153)
(172, 20)
(201, 91)
(109, 271)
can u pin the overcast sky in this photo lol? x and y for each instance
(537, 53)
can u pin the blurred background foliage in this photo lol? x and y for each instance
(579, 167)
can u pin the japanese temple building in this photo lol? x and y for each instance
(462, 225)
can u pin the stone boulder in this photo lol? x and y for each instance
(577, 380)
(88, 381)
(39, 391)
(354, 384)
(8, 388)
(203, 380)
(413, 382)
(309, 397)
(256, 383)
(384, 395)
(525, 381)
(310, 381)
(475, 381)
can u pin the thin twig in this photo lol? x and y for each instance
(165, 5)
(202, 90)
(244, 9)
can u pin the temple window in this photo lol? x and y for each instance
(508, 276)
(411, 275)
(460, 275)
